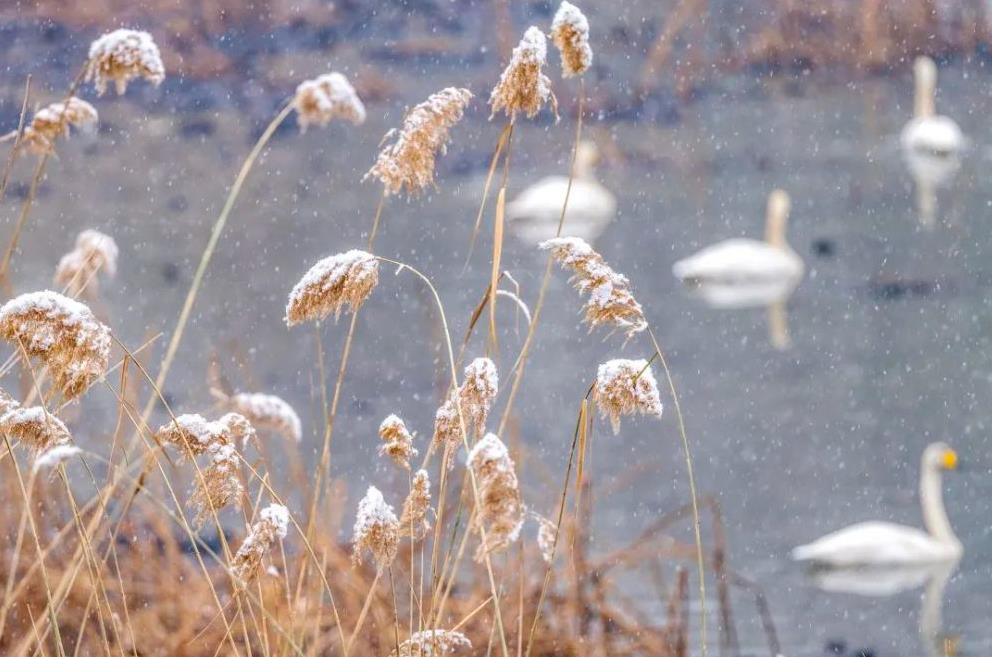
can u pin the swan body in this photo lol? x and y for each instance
(534, 214)
(932, 136)
(883, 544)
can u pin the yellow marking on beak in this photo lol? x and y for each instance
(950, 460)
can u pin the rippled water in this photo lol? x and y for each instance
(890, 328)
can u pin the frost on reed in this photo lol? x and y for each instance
(272, 525)
(475, 396)
(413, 519)
(500, 510)
(570, 34)
(325, 98)
(547, 533)
(77, 271)
(53, 121)
(408, 162)
(122, 55)
(610, 300)
(433, 643)
(63, 333)
(524, 87)
(376, 530)
(626, 387)
(398, 442)
(35, 428)
(345, 278)
(268, 412)
(53, 456)
(218, 485)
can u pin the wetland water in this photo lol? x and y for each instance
(890, 328)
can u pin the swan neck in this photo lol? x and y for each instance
(932, 501)
(924, 105)
(777, 219)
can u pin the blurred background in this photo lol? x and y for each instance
(698, 110)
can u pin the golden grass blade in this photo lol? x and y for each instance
(497, 256)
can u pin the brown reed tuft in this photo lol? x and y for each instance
(63, 333)
(325, 98)
(478, 391)
(345, 278)
(413, 519)
(610, 300)
(194, 434)
(77, 271)
(376, 530)
(570, 34)
(122, 55)
(547, 532)
(500, 509)
(523, 86)
(268, 412)
(398, 442)
(447, 426)
(217, 486)
(433, 643)
(272, 525)
(53, 121)
(408, 162)
(35, 428)
(626, 387)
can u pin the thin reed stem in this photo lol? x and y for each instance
(11, 156)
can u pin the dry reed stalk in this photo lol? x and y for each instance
(397, 442)
(570, 34)
(523, 87)
(499, 509)
(325, 98)
(408, 163)
(61, 332)
(94, 252)
(18, 135)
(345, 278)
(626, 387)
(53, 121)
(121, 56)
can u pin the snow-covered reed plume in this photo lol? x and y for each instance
(397, 441)
(570, 34)
(610, 300)
(194, 434)
(433, 643)
(500, 510)
(376, 530)
(63, 333)
(408, 162)
(325, 98)
(35, 428)
(475, 396)
(77, 271)
(53, 456)
(345, 278)
(53, 121)
(547, 532)
(268, 412)
(523, 87)
(626, 387)
(122, 55)
(272, 525)
(218, 485)
(413, 519)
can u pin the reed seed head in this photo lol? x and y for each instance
(53, 121)
(376, 530)
(570, 34)
(272, 525)
(35, 428)
(122, 55)
(195, 435)
(398, 442)
(269, 412)
(610, 300)
(218, 485)
(408, 162)
(413, 519)
(325, 98)
(478, 391)
(447, 426)
(433, 643)
(523, 87)
(77, 271)
(500, 509)
(345, 278)
(54, 456)
(626, 387)
(63, 333)
(547, 533)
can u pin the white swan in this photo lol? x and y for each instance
(931, 143)
(534, 214)
(880, 544)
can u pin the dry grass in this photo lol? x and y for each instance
(127, 550)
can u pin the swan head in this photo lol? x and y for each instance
(940, 456)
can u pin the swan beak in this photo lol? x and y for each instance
(949, 461)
